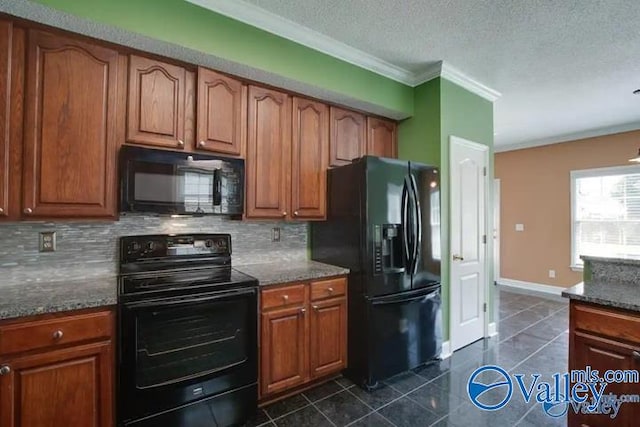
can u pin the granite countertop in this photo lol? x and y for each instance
(625, 261)
(607, 293)
(292, 271)
(41, 297)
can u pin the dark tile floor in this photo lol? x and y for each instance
(533, 338)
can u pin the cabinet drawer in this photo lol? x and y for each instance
(38, 334)
(282, 297)
(328, 288)
(612, 323)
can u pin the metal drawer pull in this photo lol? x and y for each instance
(180, 143)
(330, 290)
(285, 298)
(303, 311)
(202, 144)
(57, 335)
(28, 211)
(636, 356)
(5, 370)
(315, 307)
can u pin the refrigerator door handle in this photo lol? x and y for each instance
(421, 297)
(417, 238)
(405, 225)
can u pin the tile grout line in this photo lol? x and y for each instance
(531, 325)
(318, 409)
(518, 312)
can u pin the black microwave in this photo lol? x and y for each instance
(176, 183)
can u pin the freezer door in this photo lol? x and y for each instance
(405, 332)
(385, 255)
(427, 255)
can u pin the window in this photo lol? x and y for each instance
(605, 216)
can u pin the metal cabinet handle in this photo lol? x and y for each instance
(316, 308)
(285, 298)
(303, 311)
(458, 258)
(57, 335)
(636, 356)
(330, 290)
(201, 144)
(295, 213)
(28, 210)
(1, 210)
(284, 213)
(5, 370)
(180, 143)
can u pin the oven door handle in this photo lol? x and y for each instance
(190, 300)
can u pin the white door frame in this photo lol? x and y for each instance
(487, 258)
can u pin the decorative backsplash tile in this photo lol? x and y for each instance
(90, 249)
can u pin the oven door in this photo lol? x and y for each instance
(178, 350)
(167, 182)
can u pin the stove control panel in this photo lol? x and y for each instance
(138, 248)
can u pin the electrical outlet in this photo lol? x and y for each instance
(552, 274)
(47, 241)
(275, 234)
(519, 227)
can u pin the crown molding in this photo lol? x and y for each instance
(263, 19)
(258, 17)
(591, 133)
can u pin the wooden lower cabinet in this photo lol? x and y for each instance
(301, 340)
(60, 385)
(605, 339)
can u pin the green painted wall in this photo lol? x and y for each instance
(419, 136)
(184, 24)
(469, 116)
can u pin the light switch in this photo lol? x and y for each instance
(519, 227)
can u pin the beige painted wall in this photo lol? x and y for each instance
(535, 191)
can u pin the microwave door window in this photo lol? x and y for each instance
(154, 183)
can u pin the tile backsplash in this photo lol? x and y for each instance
(90, 249)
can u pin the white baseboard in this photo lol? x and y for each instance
(493, 329)
(529, 286)
(446, 350)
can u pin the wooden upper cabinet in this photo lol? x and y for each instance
(6, 32)
(310, 159)
(222, 119)
(70, 130)
(268, 153)
(158, 113)
(382, 138)
(347, 136)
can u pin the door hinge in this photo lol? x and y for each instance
(484, 171)
(484, 307)
(484, 239)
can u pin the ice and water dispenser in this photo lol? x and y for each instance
(387, 248)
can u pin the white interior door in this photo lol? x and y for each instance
(468, 161)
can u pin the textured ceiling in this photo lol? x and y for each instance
(563, 67)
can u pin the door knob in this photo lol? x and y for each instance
(5, 370)
(458, 258)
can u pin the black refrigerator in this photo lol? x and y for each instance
(383, 223)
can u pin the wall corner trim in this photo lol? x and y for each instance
(530, 286)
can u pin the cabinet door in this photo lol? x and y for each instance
(381, 138)
(70, 140)
(328, 336)
(604, 354)
(347, 136)
(222, 118)
(268, 159)
(70, 388)
(284, 357)
(310, 159)
(157, 103)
